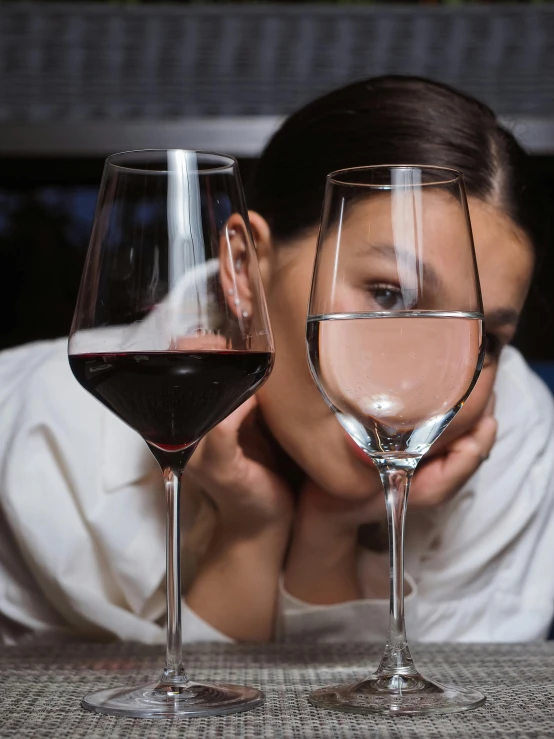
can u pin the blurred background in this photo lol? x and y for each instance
(80, 80)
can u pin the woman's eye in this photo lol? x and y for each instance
(387, 297)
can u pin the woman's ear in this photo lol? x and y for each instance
(236, 258)
(236, 254)
(262, 241)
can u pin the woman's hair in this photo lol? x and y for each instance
(389, 120)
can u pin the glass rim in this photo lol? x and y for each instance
(455, 175)
(227, 161)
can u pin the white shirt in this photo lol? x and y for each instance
(82, 525)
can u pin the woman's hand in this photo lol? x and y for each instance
(321, 567)
(234, 464)
(235, 589)
(439, 477)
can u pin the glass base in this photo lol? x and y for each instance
(397, 695)
(161, 700)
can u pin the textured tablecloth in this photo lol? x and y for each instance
(41, 686)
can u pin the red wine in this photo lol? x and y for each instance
(172, 398)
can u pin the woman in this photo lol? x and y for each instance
(284, 515)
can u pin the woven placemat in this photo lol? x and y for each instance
(41, 686)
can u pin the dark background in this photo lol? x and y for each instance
(46, 211)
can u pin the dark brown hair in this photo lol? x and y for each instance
(390, 120)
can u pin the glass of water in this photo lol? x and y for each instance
(395, 344)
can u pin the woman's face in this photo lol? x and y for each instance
(291, 404)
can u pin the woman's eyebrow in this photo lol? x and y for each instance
(502, 316)
(395, 254)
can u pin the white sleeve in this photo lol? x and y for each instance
(195, 629)
(22, 608)
(488, 576)
(77, 557)
(365, 619)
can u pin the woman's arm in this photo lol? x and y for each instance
(322, 566)
(236, 587)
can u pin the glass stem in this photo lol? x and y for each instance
(174, 671)
(396, 477)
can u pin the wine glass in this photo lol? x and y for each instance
(395, 346)
(171, 333)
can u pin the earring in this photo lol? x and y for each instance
(231, 232)
(238, 264)
(230, 291)
(245, 314)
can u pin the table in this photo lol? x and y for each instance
(41, 685)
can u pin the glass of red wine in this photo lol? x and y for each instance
(395, 346)
(171, 334)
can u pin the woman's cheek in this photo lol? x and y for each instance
(473, 409)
